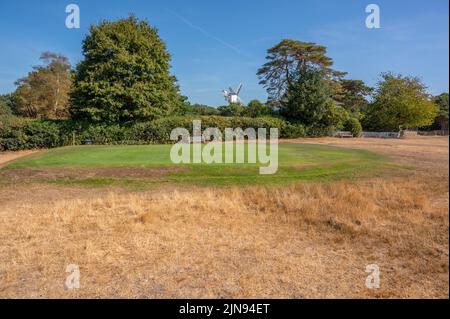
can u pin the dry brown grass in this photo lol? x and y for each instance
(301, 241)
(6, 157)
(429, 153)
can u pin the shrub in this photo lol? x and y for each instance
(8, 122)
(293, 131)
(150, 133)
(221, 122)
(159, 131)
(105, 134)
(354, 126)
(11, 133)
(15, 141)
(320, 130)
(41, 134)
(17, 133)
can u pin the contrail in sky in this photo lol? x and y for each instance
(209, 35)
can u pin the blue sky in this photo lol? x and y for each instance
(215, 44)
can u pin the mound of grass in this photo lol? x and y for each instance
(297, 162)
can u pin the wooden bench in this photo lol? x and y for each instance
(344, 134)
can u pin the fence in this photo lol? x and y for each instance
(381, 134)
(433, 133)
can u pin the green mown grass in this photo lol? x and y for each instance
(297, 162)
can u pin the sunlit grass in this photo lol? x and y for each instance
(297, 162)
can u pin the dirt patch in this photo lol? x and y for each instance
(6, 157)
(79, 173)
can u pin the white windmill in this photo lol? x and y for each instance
(232, 96)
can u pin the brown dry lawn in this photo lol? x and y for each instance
(310, 240)
(6, 157)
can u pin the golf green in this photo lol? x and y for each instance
(296, 162)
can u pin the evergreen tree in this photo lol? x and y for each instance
(124, 75)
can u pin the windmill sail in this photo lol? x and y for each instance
(239, 89)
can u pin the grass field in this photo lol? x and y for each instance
(150, 165)
(334, 207)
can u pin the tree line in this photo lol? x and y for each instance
(125, 79)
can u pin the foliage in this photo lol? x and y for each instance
(41, 134)
(255, 108)
(399, 102)
(293, 131)
(353, 95)
(286, 60)
(11, 122)
(232, 109)
(442, 119)
(4, 108)
(442, 102)
(7, 104)
(201, 109)
(307, 99)
(44, 92)
(331, 121)
(19, 133)
(354, 126)
(301, 83)
(124, 75)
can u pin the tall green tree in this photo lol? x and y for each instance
(442, 117)
(285, 62)
(399, 102)
(308, 99)
(353, 95)
(44, 93)
(124, 75)
(7, 105)
(256, 108)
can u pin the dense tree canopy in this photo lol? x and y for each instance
(352, 95)
(307, 99)
(442, 117)
(7, 105)
(44, 92)
(201, 109)
(232, 109)
(124, 75)
(125, 78)
(285, 62)
(399, 103)
(256, 108)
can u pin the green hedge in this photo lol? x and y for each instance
(159, 131)
(293, 131)
(353, 125)
(18, 133)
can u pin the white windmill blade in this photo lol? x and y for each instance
(239, 89)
